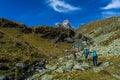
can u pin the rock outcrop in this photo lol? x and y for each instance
(57, 34)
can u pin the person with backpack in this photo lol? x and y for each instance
(74, 54)
(95, 58)
(86, 53)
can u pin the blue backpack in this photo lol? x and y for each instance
(94, 53)
(86, 51)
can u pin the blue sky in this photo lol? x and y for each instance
(51, 12)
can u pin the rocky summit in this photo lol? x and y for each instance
(57, 53)
(65, 24)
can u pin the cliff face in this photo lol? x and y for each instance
(105, 34)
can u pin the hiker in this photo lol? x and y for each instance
(86, 53)
(74, 54)
(95, 58)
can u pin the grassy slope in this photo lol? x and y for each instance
(99, 28)
(97, 24)
(34, 46)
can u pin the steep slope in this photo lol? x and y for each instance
(21, 44)
(105, 34)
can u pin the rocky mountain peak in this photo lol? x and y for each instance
(65, 24)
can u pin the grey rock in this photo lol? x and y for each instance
(78, 67)
(69, 40)
(105, 64)
(36, 76)
(119, 65)
(60, 69)
(83, 67)
(50, 67)
(98, 69)
(69, 65)
(86, 66)
(115, 75)
(47, 77)
(66, 24)
(21, 65)
(40, 69)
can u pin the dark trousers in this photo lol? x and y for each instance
(75, 57)
(95, 61)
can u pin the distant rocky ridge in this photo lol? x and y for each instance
(60, 33)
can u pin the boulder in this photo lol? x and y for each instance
(60, 60)
(39, 69)
(98, 69)
(69, 40)
(83, 66)
(21, 65)
(105, 64)
(60, 69)
(86, 66)
(50, 67)
(69, 65)
(78, 67)
(47, 77)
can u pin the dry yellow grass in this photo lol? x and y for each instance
(16, 46)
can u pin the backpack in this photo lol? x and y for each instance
(94, 53)
(86, 51)
(74, 52)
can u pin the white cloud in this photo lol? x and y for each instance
(107, 14)
(115, 4)
(61, 6)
